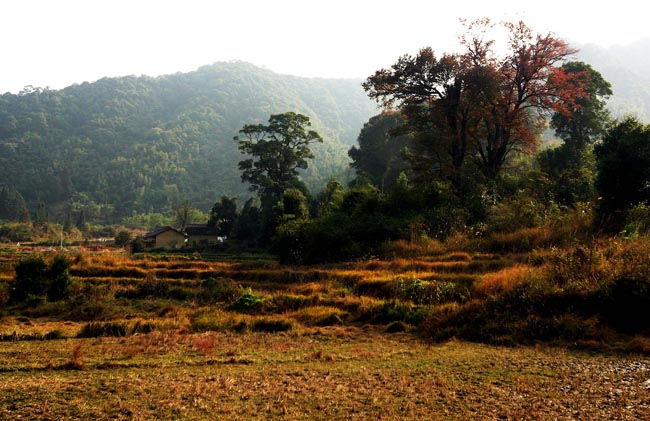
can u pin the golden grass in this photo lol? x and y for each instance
(320, 316)
(330, 372)
(504, 280)
(330, 356)
(404, 248)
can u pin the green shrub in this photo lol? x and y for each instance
(431, 292)
(58, 278)
(637, 221)
(36, 279)
(392, 311)
(30, 279)
(122, 239)
(248, 302)
(137, 245)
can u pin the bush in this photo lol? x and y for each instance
(137, 245)
(35, 279)
(271, 325)
(95, 330)
(153, 287)
(394, 311)
(626, 304)
(397, 327)
(17, 232)
(436, 292)
(122, 239)
(637, 221)
(220, 289)
(58, 278)
(30, 279)
(248, 302)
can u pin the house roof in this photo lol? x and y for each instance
(200, 229)
(160, 230)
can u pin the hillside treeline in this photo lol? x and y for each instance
(102, 151)
(457, 153)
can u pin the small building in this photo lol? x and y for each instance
(201, 235)
(166, 238)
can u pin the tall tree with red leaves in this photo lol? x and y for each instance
(477, 104)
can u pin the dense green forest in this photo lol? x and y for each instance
(143, 151)
(102, 151)
(458, 152)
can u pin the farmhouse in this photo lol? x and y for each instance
(201, 235)
(164, 238)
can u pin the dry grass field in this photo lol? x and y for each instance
(189, 337)
(326, 373)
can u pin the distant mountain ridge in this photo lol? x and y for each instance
(139, 144)
(627, 68)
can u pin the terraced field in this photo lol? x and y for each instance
(185, 337)
(194, 295)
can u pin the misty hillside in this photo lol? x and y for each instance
(627, 68)
(142, 144)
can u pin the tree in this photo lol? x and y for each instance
(569, 173)
(30, 279)
(329, 198)
(623, 169)
(37, 278)
(437, 98)
(528, 84)
(571, 167)
(379, 155)
(249, 224)
(137, 244)
(588, 117)
(41, 215)
(12, 205)
(476, 103)
(123, 239)
(278, 151)
(223, 215)
(293, 206)
(187, 214)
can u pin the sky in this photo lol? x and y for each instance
(48, 43)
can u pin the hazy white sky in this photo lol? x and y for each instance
(57, 43)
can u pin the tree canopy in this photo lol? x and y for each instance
(379, 156)
(623, 168)
(277, 151)
(479, 104)
(588, 116)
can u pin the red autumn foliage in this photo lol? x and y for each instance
(479, 103)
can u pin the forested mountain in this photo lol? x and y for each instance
(627, 68)
(142, 144)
